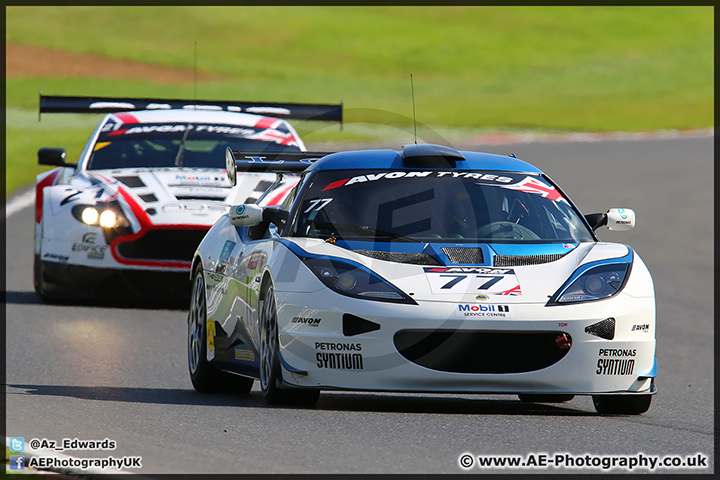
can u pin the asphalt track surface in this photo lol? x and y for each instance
(96, 372)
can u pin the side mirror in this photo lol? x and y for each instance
(54, 156)
(618, 219)
(246, 215)
(250, 215)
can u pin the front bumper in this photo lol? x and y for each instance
(429, 348)
(69, 281)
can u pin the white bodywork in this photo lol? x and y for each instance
(310, 320)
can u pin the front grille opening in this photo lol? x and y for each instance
(472, 255)
(168, 244)
(522, 260)
(401, 257)
(480, 351)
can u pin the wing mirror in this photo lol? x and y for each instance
(54, 156)
(250, 215)
(619, 219)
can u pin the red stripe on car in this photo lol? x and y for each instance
(266, 122)
(146, 225)
(127, 118)
(337, 184)
(45, 182)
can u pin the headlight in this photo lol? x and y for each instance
(354, 280)
(593, 283)
(89, 215)
(106, 215)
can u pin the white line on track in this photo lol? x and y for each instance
(17, 203)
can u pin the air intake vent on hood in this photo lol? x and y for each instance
(464, 254)
(401, 257)
(522, 260)
(130, 181)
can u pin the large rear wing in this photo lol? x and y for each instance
(297, 111)
(272, 162)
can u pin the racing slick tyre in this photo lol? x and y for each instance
(270, 374)
(205, 378)
(545, 397)
(37, 279)
(621, 404)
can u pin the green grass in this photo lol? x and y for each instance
(530, 68)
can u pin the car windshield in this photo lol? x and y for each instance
(182, 145)
(436, 206)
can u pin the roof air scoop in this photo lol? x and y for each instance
(427, 155)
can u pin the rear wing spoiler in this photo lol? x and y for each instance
(297, 111)
(272, 162)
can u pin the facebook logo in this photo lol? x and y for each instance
(17, 462)
(17, 444)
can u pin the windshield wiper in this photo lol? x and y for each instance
(181, 150)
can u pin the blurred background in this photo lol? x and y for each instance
(477, 70)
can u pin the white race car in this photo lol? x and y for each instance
(424, 270)
(125, 219)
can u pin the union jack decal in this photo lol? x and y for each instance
(533, 185)
(276, 136)
(510, 292)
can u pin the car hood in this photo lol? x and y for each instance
(179, 195)
(508, 273)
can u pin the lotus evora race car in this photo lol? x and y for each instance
(424, 270)
(125, 219)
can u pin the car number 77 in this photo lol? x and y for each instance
(459, 278)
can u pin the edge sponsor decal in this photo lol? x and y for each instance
(311, 322)
(468, 310)
(332, 355)
(616, 366)
(56, 256)
(244, 355)
(641, 328)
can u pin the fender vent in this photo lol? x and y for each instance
(472, 255)
(353, 325)
(603, 329)
(401, 257)
(522, 260)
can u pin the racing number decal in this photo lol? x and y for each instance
(318, 204)
(458, 278)
(490, 281)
